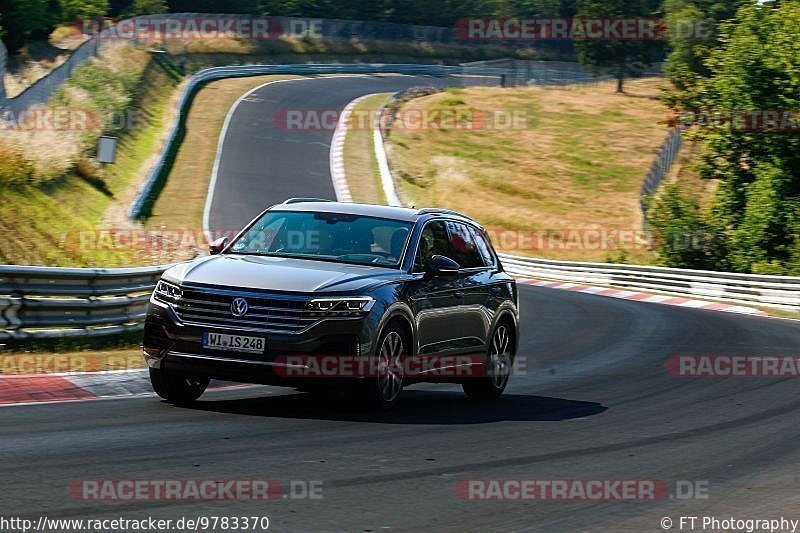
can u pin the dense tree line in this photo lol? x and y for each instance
(749, 66)
(27, 19)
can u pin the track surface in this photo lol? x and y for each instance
(595, 403)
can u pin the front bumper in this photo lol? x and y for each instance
(172, 345)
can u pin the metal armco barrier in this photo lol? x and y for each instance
(782, 292)
(44, 302)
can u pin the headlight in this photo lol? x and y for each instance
(167, 292)
(340, 306)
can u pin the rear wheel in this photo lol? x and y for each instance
(499, 361)
(176, 387)
(386, 387)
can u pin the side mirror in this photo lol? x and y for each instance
(215, 247)
(440, 265)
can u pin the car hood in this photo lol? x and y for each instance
(280, 274)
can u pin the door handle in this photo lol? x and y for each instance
(495, 290)
(458, 294)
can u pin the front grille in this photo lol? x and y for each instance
(266, 312)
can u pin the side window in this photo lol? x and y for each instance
(484, 248)
(433, 241)
(465, 251)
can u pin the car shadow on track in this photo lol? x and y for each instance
(415, 407)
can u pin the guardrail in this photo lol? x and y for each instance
(780, 292)
(47, 303)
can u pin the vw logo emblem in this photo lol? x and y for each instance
(239, 307)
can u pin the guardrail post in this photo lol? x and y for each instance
(9, 308)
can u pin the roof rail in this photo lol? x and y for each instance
(304, 200)
(439, 211)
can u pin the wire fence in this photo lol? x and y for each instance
(3, 56)
(43, 89)
(660, 168)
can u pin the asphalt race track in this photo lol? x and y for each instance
(263, 163)
(594, 402)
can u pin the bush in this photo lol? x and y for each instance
(14, 169)
(681, 235)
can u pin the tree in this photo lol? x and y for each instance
(755, 70)
(693, 31)
(23, 19)
(681, 233)
(147, 7)
(72, 10)
(623, 58)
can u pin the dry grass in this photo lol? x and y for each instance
(361, 168)
(181, 202)
(576, 162)
(52, 153)
(43, 222)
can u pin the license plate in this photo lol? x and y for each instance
(234, 343)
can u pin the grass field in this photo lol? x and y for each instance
(573, 161)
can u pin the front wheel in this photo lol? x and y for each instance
(386, 387)
(499, 361)
(177, 388)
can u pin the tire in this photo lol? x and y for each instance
(384, 390)
(499, 363)
(177, 388)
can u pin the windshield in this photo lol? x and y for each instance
(334, 237)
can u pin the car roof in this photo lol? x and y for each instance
(380, 211)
